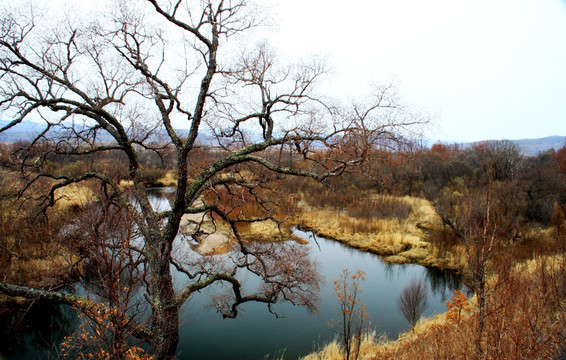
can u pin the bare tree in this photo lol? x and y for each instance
(412, 301)
(484, 219)
(354, 318)
(481, 233)
(502, 158)
(114, 276)
(121, 83)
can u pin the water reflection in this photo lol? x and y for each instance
(443, 283)
(29, 331)
(392, 271)
(205, 334)
(257, 332)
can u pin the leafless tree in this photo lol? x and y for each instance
(105, 236)
(413, 301)
(503, 158)
(481, 233)
(121, 83)
(354, 318)
(484, 220)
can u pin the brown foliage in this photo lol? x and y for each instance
(442, 150)
(525, 320)
(357, 203)
(456, 308)
(560, 157)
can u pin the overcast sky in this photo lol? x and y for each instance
(489, 69)
(486, 69)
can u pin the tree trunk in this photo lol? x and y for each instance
(481, 314)
(166, 309)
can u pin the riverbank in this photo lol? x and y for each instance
(525, 321)
(398, 240)
(526, 307)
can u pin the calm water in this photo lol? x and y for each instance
(257, 333)
(205, 335)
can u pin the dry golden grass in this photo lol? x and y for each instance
(73, 195)
(40, 271)
(453, 259)
(531, 266)
(125, 183)
(373, 344)
(30, 255)
(267, 231)
(170, 179)
(400, 240)
(70, 195)
(333, 350)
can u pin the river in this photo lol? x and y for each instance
(258, 334)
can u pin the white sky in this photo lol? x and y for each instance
(489, 69)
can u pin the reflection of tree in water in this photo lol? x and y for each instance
(29, 330)
(392, 270)
(442, 282)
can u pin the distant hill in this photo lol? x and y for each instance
(528, 147)
(27, 130)
(24, 131)
(534, 146)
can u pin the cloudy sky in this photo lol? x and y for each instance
(485, 69)
(488, 69)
